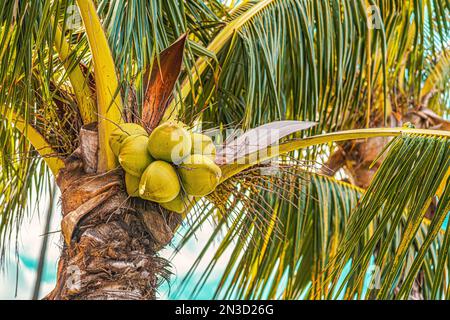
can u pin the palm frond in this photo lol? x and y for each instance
(397, 202)
(279, 245)
(315, 61)
(138, 30)
(85, 97)
(295, 235)
(35, 101)
(23, 174)
(109, 100)
(275, 150)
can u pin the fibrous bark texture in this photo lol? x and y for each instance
(110, 241)
(357, 157)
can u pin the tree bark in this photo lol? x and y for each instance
(111, 241)
(357, 158)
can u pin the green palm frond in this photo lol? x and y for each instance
(295, 235)
(280, 245)
(34, 81)
(437, 82)
(415, 170)
(22, 174)
(138, 30)
(310, 60)
(35, 99)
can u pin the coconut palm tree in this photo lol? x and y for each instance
(348, 201)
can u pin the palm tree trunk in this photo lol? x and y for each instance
(110, 241)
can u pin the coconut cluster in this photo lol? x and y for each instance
(170, 167)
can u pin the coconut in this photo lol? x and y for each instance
(202, 144)
(133, 156)
(118, 135)
(132, 185)
(170, 142)
(199, 175)
(159, 182)
(180, 204)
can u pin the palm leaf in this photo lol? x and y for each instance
(38, 112)
(307, 258)
(278, 251)
(305, 60)
(275, 150)
(109, 101)
(397, 203)
(85, 97)
(138, 30)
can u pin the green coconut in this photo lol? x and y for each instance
(170, 142)
(133, 156)
(132, 185)
(202, 144)
(199, 175)
(159, 182)
(126, 130)
(180, 204)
